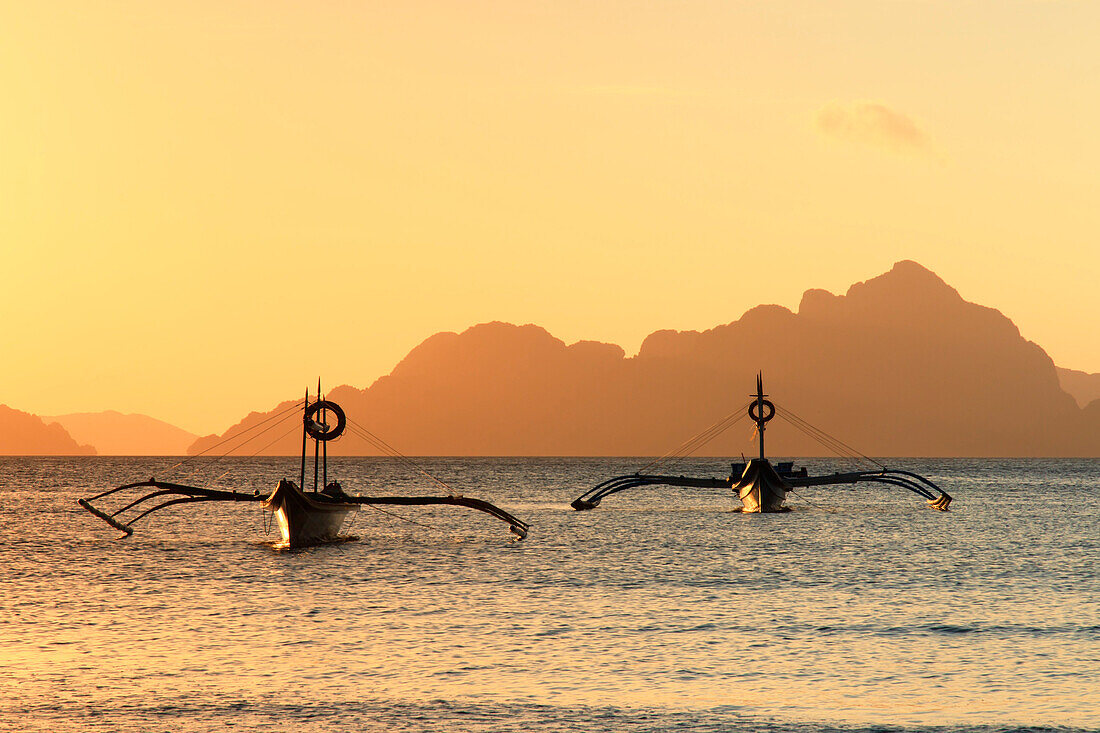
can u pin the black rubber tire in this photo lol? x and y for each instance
(769, 411)
(331, 433)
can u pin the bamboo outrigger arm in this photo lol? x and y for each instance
(184, 494)
(591, 498)
(518, 526)
(937, 497)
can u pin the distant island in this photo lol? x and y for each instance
(901, 365)
(115, 434)
(24, 434)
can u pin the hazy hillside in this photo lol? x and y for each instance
(899, 365)
(115, 434)
(23, 434)
(1084, 387)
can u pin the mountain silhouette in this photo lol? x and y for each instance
(901, 365)
(1084, 387)
(24, 434)
(115, 434)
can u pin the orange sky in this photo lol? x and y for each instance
(206, 204)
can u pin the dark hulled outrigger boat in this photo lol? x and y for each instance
(305, 518)
(762, 487)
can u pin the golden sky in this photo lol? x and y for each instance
(204, 205)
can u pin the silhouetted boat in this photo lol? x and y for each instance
(304, 517)
(762, 487)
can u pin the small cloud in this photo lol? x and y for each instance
(872, 123)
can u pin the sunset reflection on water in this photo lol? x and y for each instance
(863, 609)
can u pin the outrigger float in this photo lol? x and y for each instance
(305, 518)
(762, 487)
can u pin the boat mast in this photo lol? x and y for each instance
(761, 410)
(317, 443)
(305, 407)
(324, 448)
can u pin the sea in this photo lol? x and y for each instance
(662, 610)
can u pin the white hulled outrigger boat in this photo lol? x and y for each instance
(304, 518)
(762, 487)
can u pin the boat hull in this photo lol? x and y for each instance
(305, 521)
(761, 489)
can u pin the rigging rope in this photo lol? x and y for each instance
(269, 427)
(255, 453)
(846, 457)
(823, 440)
(389, 450)
(697, 441)
(827, 510)
(223, 441)
(403, 519)
(832, 443)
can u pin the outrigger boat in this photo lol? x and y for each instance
(762, 487)
(305, 518)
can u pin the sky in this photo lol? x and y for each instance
(206, 205)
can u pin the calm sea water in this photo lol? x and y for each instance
(661, 610)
